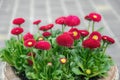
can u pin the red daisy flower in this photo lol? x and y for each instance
(30, 62)
(65, 40)
(60, 20)
(91, 43)
(72, 21)
(83, 33)
(108, 39)
(29, 43)
(17, 30)
(46, 34)
(75, 33)
(36, 22)
(47, 27)
(50, 26)
(95, 35)
(88, 18)
(69, 33)
(28, 36)
(95, 17)
(43, 28)
(18, 21)
(43, 45)
(63, 60)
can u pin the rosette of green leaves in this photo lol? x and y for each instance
(12, 53)
(89, 64)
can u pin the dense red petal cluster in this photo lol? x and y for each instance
(72, 21)
(60, 20)
(18, 21)
(36, 22)
(108, 39)
(91, 43)
(17, 30)
(46, 27)
(95, 35)
(83, 33)
(43, 45)
(69, 33)
(75, 33)
(88, 18)
(95, 17)
(50, 26)
(65, 40)
(43, 28)
(29, 43)
(46, 34)
(28, 36)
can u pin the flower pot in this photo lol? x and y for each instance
(10, 75)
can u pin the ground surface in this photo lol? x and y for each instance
(49, 10)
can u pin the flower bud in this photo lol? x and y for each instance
(88, 71)
(63, 60)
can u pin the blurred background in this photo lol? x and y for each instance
(49, 10)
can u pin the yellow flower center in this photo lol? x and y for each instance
(94, 16)
(63, 60)
(29, 43)
(95, 37)
(88, 71)
(40, 39)
(75, 33)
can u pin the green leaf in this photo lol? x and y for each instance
(24, 56)
(77, 71)
(31, 75)
(100, 29)
(81, 66)
(42, 76)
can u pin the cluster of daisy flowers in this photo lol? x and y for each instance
(56, 46)
(66, 39)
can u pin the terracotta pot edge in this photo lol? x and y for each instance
(114, 69)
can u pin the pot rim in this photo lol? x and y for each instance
(113, 76)
(7, 76)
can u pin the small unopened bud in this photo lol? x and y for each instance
(63, 60)
(88, 71)
(49, 64)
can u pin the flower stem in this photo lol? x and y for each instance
(87, 78)
(34, 64)
(63, 27)
(19, 25)
(88, 26)
(51, 30)
(93, 26)
(82, 38)
(38, 28)
(105, 48)
(18, 37)
(103, 44)
(89, 54)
